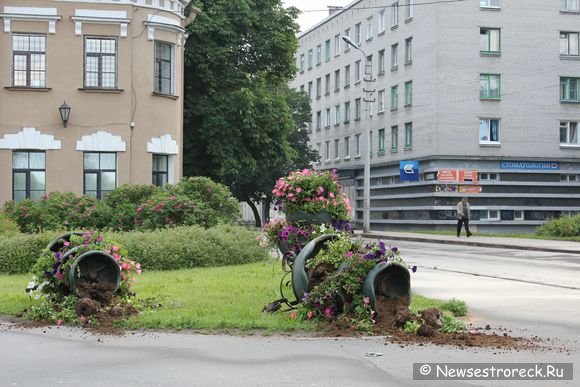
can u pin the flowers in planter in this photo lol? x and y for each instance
(311, 192)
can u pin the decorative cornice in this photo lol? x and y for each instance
(30, 14)
(29, 138)
(100, 17)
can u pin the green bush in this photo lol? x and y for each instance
(164, 210)
(220, 205)
(566, 226)
(166, 249)
(8, 227)
(18, 253)
(457, 307)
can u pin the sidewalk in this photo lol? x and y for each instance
(484, 241)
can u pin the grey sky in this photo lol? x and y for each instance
(313, 10)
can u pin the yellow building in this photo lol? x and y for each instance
(91, 96)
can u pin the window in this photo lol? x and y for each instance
(357, 33)
(489, 3)
(100, 173)
(319, 149)
(357, 107)
(489, 40)
(347, 76)
(381, 21)
(381, 62)
(318, 55)
(29, 60)
(327, 84)
(394, 14)
(394, 138)
(568, 178)
(570, 5)
(408, 51)
(327, 51)
(346, 112)
(28, 175)
(100, 62)
(357, 144)
(488, 215)
(369, 28)
(160, 169)
(327, 118)
(409, 9)
(164, 68)
(569, 89)
(408, 135)
(347, 147)
(394, 56)
(327, 150)
(368, 67)
(357, 71)
(487, 176)
(318, 87)
(302, 88)
(489, 86)
(309, 59)
(569, 43)
(489, 130)
(518, 215)
(337, 115)
(394, 97)
(408, 93)
(301, 62)
(310, 89)
(318, 120)
(346, 45)
(569, 133)
(381, 101)
(336, 148)
(336, 81)
(381, 140)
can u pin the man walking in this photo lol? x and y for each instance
(463, 215)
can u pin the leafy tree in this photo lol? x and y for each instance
(239, 116)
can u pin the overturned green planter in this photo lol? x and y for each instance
(389, 280)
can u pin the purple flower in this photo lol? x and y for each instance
(414, 269)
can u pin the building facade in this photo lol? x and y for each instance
(477, 99)
(92, 95)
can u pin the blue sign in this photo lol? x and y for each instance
(409, 170)
(518, 164)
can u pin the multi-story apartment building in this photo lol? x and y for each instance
(92, 94)
(477, 99)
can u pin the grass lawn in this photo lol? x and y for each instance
(227, 298)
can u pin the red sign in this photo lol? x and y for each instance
(466, 175)
(447, 175)
(474, 189)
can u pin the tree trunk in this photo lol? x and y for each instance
(258, 220)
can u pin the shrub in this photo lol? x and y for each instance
(219, 203)
(18, 253)
(134, 194)
(168, 249)
(566, 226)
(165, 210)
(8, 227)
(457, 307)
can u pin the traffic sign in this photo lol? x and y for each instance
(409, 170)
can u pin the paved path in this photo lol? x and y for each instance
(485, 241)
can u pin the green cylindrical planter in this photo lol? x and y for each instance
(57, 243)
(389, 280)
(95, 267)
(299, 275)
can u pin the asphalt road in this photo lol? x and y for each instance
(530, 293)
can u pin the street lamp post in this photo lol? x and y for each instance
(368, 98)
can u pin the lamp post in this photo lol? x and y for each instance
(368, 94)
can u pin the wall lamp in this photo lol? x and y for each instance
(64, 110)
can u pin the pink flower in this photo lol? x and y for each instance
(66, 243)
(115, 248)
(366, 300)
(60, 322)
(328, 312)
(311, 314)
(331, 194)
(293, 315)
(298, 189)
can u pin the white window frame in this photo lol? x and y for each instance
(381, 21)
(357, 71)
(569, 132)
(381, 101)
(336, 45)
(357, 33)
(357, 145)
(570, 5)
(567, 42)
(485, 124)
(394, 56)
(327, 50)
(337, 116)
(327, 150)
(408, 93)
(394, 97)
(336, 80)
(381, 61)
(357, 109)
(347, 112)
(490, 215)
(327, 118)
(347, 147)
(408, 51)
(489, 176)
(518, 214)
(369, 28)
(395, 14)
(301, 62)
(347, 76)
(409, 5)
(492, 35)
(489, 3)
(337, 149)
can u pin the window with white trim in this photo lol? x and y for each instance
(568, 133)
(357, 33)
(568, 178)
(309, 59)
(489, 3)
(408, 93)
(489, 40)
(569, 89)
(327, 84)
(346, 112)
(489, 129)
(301, 62)
(569, 44)
(357, 145)
(394, 56)
(318, 87)
(310, 89)
(327, 50)
(100, 173)
(357, 108)
(381, 101)
(394, 138)
(327, 118)
(488, 215)
(337, 116)
(345, 44)
(28, 60)
(28, 175)
(336, 81)
(369, 28)
(164, 79)
(337, 148)
(318, 55)
(518, 215)
(100, 62)
(409, 5)
(394, 14)
(394, 97)
(381, 148)
(318, 120)
(327, 151)
(570, 5)
(408, 51)
(381, 21)
(347, 147)
(488, 176)
(381, 61)
(347, 76)
(336, 45)
(357, 72)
